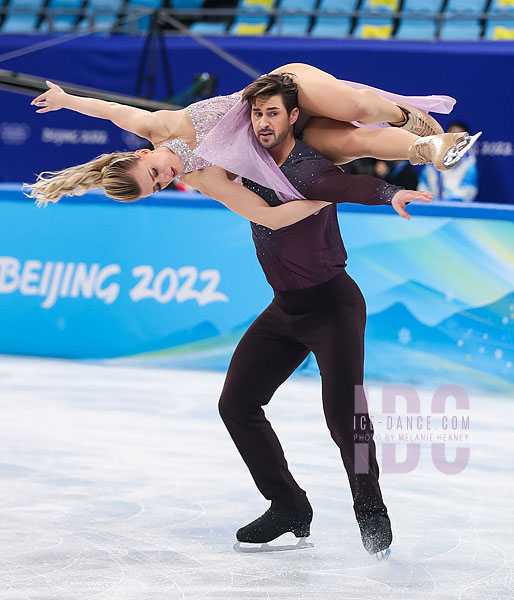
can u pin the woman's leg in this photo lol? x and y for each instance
(342, 142)
(320, 94)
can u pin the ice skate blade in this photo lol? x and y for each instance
(383, 554)
(455, 154)
(266, 547)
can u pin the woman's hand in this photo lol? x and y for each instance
(52, 99)
(138, 121)
(403, 197)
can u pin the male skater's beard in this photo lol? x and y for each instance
(272, 139)
(269, 140)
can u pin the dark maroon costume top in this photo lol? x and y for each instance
(312, 251)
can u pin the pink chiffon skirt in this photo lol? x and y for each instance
(232, 145)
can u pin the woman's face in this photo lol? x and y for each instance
(155, 170)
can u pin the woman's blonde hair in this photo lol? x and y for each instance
(108, 171)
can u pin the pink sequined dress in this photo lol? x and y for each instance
(225, 138)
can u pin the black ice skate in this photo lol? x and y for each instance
(376, 535)
(271, 525)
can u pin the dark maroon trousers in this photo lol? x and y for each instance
(328, 319)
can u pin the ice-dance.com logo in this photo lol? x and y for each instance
(403, 429)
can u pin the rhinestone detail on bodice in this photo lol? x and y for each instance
(204, 115)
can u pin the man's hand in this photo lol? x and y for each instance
(52, 99)
(403, 197)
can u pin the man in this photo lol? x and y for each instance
(317, 307)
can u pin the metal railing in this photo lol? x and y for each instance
(32, 85)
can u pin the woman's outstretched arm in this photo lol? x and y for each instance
(215, 183)
(144, 123)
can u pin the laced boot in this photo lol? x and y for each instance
(417, 121)
(445, 150)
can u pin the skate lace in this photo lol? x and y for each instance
(424, 150)
(418, 122)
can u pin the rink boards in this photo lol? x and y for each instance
(174, 281)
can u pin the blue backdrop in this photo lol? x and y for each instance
(174, 281)
(478, 74)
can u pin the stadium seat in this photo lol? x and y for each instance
(460, 30)
(209, 28)
(499, 7)
(67, 21)
(334, 27)
(250, 25)
(338, 5)
(422, 7)
(296, 5)
(383, 6)
(499, 30)
(466, 6)
(257, 5)
(145, 3)
(419, 29)
(186, 3)
(292, 24)
(23, 23)
(369, 28)
(143, 23)
(247, 23)
(107, 20)
(416, 29)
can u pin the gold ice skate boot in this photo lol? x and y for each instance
(445, 151)
(417, 121)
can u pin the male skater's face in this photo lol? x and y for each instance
(270, 121)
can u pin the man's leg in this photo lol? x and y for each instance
(262, 361)
(338, 344)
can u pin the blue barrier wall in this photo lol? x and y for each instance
(477, 74)
(174, 281)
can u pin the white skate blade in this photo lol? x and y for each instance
(383, 554)
(268, 547)
(453, 156)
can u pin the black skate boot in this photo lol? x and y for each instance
(271, 525)
(376, 535)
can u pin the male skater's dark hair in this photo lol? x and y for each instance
(274, 84)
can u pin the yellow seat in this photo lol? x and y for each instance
(390, 5)
(266, 4)
(503, 33)
(377, 32)
(250, 29)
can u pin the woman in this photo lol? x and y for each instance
(131, 176)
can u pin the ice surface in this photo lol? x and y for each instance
(122, 484)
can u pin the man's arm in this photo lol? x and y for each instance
(337, 186)
(215, 183)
